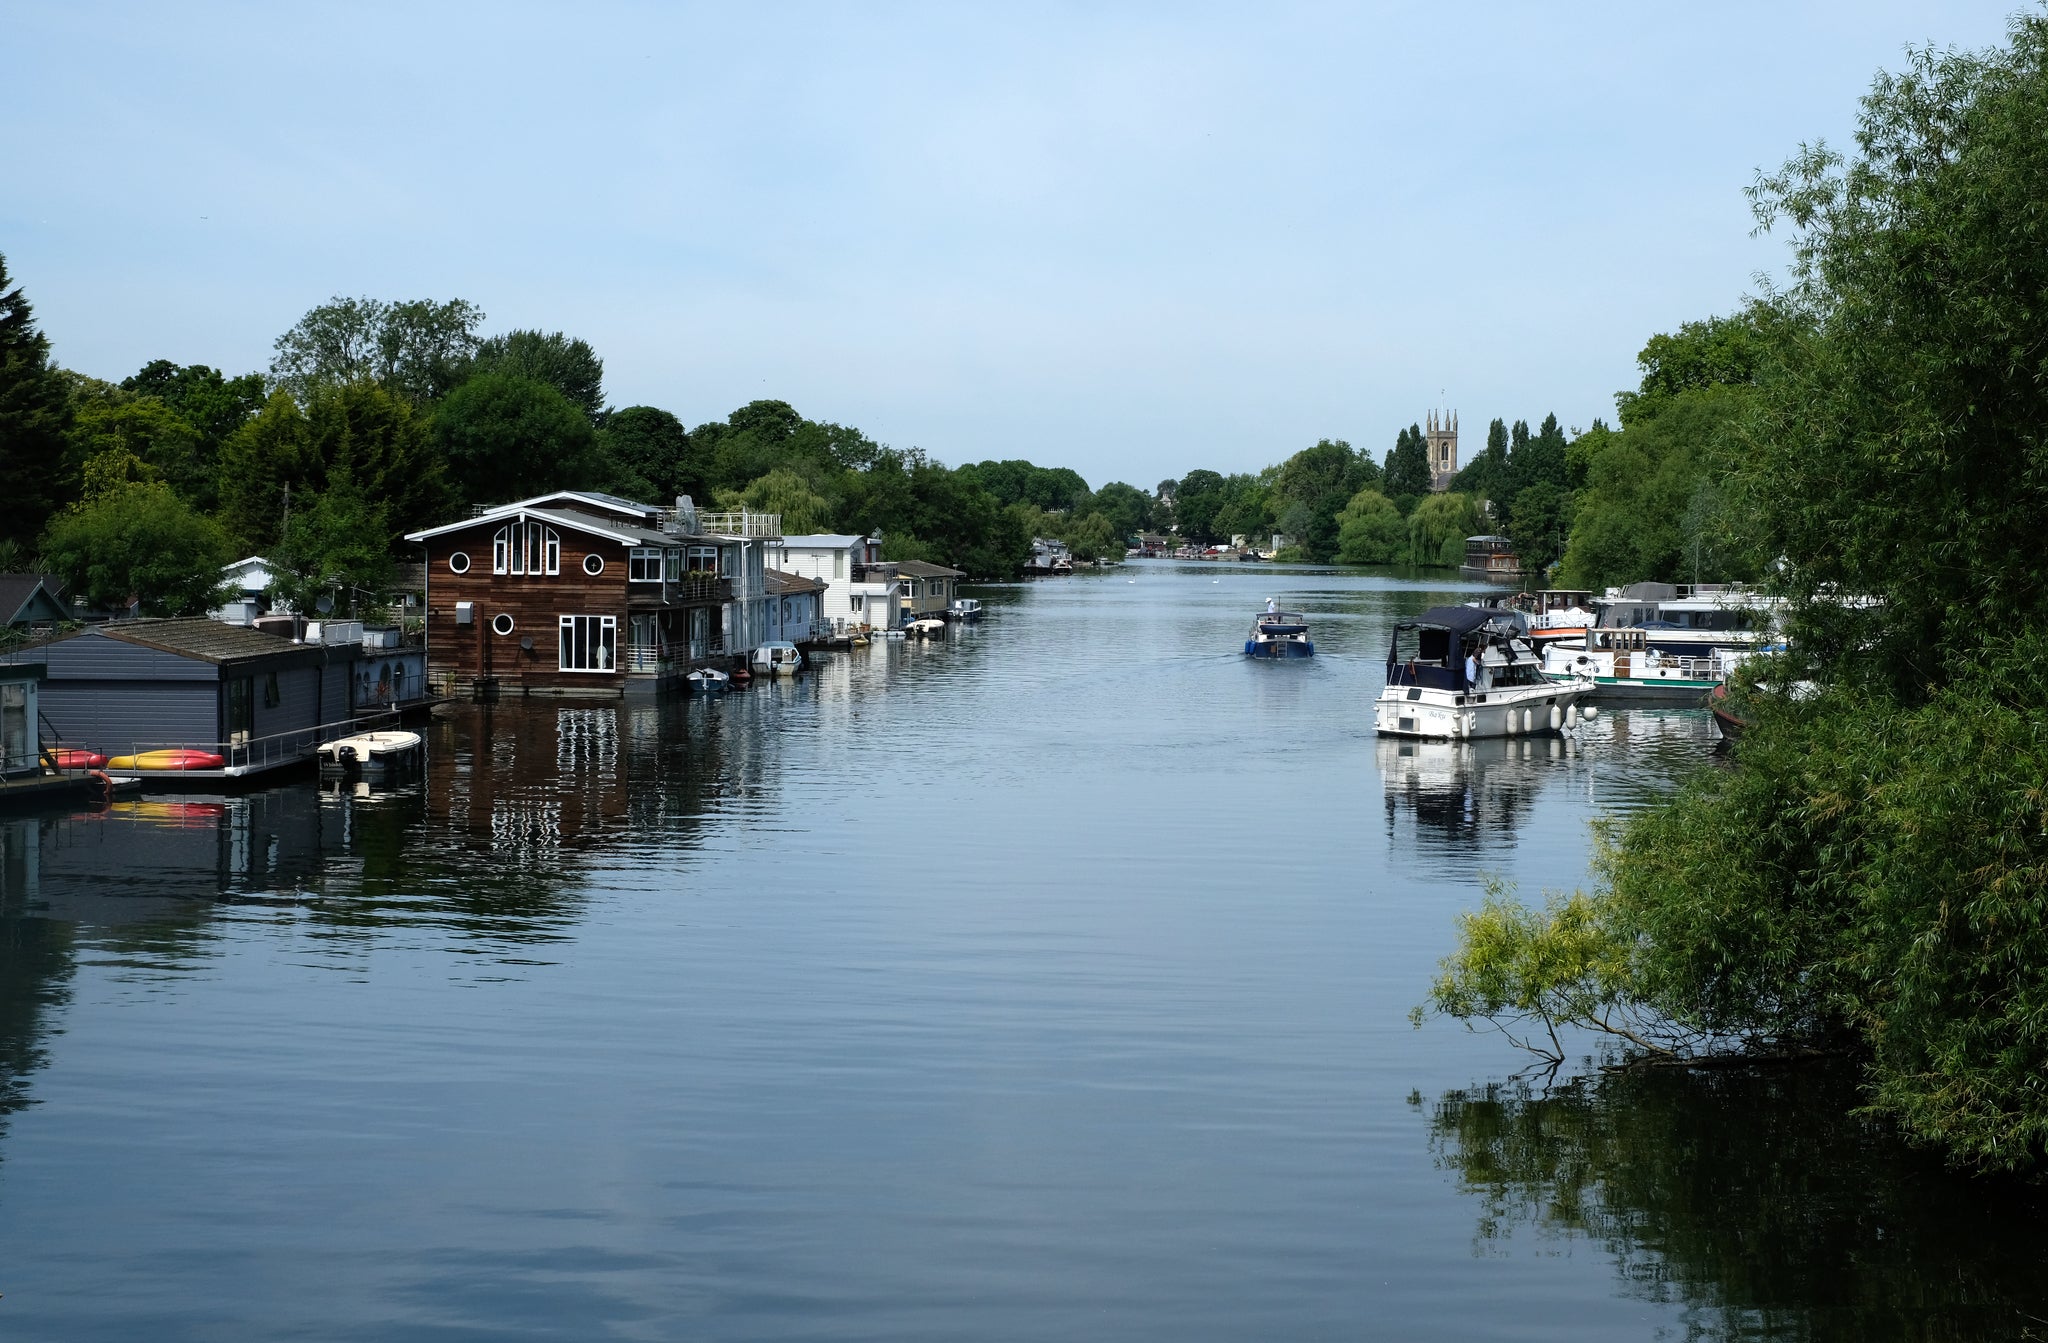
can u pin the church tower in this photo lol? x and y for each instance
(1442, 437)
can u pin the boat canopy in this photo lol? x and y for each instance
(1426, 649)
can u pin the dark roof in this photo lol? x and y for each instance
(18, 592)
(919, 569)
(198, 637)
(780, 583)
(1456, 619)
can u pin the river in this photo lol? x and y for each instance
(1047, 982)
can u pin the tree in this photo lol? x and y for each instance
(1370, 530)
(1485, 476)
(337, 543)
(1539, 523)
(1128, 508)
(138, 541)
(1437, 529)
(566, 364)
(508, 437)
(803, 510)
(1196, 502)
(259, 465)
(148, 427)
(1407, 469)
(212, 403)
(35, 413)
(1312, 487)
(1093, 537)
(419, 349)
(651, 455)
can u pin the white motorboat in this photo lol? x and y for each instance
(372, 754)
(1460, 672)
(779, 658)
(931, 627)
(964, 611)
(1656, 642)
(708, 680)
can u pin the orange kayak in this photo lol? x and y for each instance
(178, 759)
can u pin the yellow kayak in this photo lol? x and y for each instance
(178, 759)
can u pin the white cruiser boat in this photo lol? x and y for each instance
(1430, 693)
(780, 658)
(1658, 642)
(964, 611)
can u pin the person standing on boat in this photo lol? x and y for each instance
(1272, 605)
(1472, 667)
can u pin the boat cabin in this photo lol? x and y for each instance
(1429, 650)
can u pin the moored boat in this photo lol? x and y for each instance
(931, 627)
(1279, 634)
(964, 611)
(708, 680)
(777, 659)
(372, 754)
(1464, 672)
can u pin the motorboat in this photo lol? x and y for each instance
(372, 754)
(930, 627)
(708, 680)
(1461, 672)
(1661, 643)
(779, 658)
(1279, 634)
(964, 611)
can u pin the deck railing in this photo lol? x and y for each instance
(242, 754)
(743, 523)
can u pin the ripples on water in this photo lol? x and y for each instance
(1049, 981)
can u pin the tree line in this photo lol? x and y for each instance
(377, 418)
(1869, 876)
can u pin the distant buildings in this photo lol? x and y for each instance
(1441, 438)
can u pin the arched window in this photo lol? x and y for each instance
(525, 547)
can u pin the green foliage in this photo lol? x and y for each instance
(564, 363)
(1718, 352)
(419, 349)
(151, 431)
(508, 437)
(1093, 537)
(213, 404)
(1197, 499)
(650, 456)
(270, 455)
(1053, 489)
(1539, 522)
(1128, 508)
(1407, 470)
(337, 543)
(1370, 530)
(35, 413)
(1437, 528)
(140, 541)
(1312, 487)
(803, 510)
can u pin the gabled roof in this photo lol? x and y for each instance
(919, 569)
(29, 598)
(625, 533)
(782, 584)
(611, 503)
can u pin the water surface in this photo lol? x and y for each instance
(1049, 981)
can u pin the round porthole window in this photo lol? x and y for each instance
(501, 623)
(458, 563)
(593, 564)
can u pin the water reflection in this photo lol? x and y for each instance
(1755, 1199)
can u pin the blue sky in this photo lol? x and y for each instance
(1129, 239)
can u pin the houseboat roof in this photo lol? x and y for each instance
(920, 569)
(623, 532)
(590, 498)
(781, 584)
(198, 637)
(820, 541)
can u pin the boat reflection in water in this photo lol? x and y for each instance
(1757, 1199)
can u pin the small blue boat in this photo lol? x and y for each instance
(1279, 634)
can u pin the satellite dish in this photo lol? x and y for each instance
(325, 604)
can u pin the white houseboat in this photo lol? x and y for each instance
(1658, 642)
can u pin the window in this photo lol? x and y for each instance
(672, 564)
(14, 733)
(458, 563)
(644, 566)
(241, 715)
(725, 554)
(593, 565)
(703, 559)
(589, 643)
(271, 697)
(839, 564)
(526, 548)
(501, 623)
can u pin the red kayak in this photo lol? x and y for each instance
(72, 757)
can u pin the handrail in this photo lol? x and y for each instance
(275, 748)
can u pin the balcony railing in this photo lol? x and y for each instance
(691, 587)
(743, 523)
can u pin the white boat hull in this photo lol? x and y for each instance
(1445, 715)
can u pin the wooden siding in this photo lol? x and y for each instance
(536, 604)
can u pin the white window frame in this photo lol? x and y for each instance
(643, 565)
(593, 564)
(606, 628)
(461, 568)
(526, 547)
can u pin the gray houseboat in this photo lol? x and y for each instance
(194, 688)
